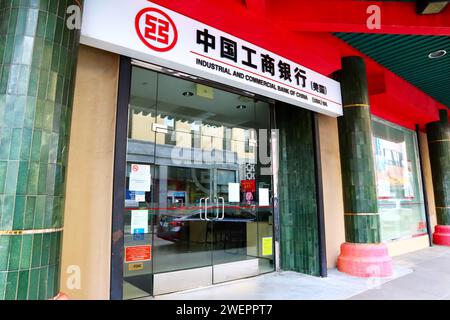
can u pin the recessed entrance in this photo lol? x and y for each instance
(199, 190)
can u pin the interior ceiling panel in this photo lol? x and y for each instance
(407, 56)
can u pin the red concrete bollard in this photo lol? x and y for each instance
(365, 260)
(61, 296)
(441, 235)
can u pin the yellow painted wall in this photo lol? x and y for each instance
(88, 208)
(399, 247)
(426, 167)
(332, 188)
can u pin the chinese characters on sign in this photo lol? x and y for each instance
(229, 50)
(148, 32)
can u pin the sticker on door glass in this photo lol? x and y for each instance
(139, 221)
(138, 253)
(140, 178)
(267, 246)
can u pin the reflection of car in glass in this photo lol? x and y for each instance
(178, 228)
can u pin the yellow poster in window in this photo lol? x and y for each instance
(267, 246)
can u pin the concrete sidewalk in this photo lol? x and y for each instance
(430, 279)
(423, 274)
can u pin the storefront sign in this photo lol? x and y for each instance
(138, 254)
(248, 185)
(146, 31)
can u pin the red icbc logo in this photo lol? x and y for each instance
(156, 29)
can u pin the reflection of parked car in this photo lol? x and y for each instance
(178, 228)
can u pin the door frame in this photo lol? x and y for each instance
(120, 157)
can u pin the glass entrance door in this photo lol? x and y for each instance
(209, 201)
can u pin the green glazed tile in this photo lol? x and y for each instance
(11, 177)
(2, 108)
(53, 148)
(25, 258)
(25, 149)
(45, 253)
(29, 114)
(48, 115)
(4, 249)
(36, 145)
(11, 285)
(51, 26)
(29, 212)
(36, 251)
(7, 212)
(52, 84)
(33, 82)
(45, 146)
(31, 24)
(48, 212)
(22, 87)
(43, 83)
(14, 252)
(41, 23)
(9, 49)
(5, 142)
(3, 276)
(42, 290)
(21, 21)
(50, 184)
(42, 182)
(8, 117)
(39, 212)
(19, 210)
(12, 21)
(33, 178)
(22, 179)
(60, 27)
(33, 285)
(38, 53)
(19, 111)
(51, 282)
(22, 289)
(3, 167)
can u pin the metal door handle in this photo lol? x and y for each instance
(217, 208)
(223, 207)
(206, 209)
(201, 209)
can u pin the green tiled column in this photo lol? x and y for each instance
(297, 188)
(439, 149)
(37, 65)
(362, 222)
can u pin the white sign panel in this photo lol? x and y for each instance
(139, 221)
(263, 197)
(234, 192)
(140, 178)
(148, 32)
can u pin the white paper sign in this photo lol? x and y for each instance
(140, 178)
(233, 192)
(139, 221)
(143, 30)
(263, 197)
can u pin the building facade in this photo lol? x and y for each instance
(167, 146)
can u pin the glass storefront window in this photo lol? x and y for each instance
(399, 185)
(198, 205)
